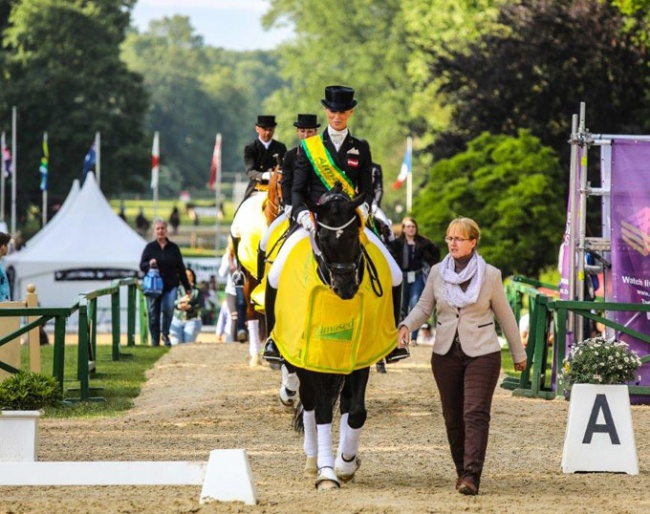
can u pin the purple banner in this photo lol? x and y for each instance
(630, 237)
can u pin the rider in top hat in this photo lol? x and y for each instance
(306, 126)
(338, 157)
(262, 155)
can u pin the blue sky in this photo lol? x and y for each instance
(231, 24)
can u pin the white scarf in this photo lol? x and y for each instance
(474, 271)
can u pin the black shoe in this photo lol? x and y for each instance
(167, 341)
(381, 367)
(397, 355)
(271, 352)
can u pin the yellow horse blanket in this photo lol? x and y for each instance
(271, 244)
(317, 330)
(249, 225)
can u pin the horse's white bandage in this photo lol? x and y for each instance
(254, 345)
(310, 444)
(351, 443)
(325, 457)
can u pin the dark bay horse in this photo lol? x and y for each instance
(342, 266)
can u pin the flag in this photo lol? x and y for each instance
(90, 160)
(6, 162)
(155, 160)
(44, 163)
(216, 163)
(407, 164)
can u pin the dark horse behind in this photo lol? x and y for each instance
(344, 265)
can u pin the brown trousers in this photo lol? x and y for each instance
(466, 386)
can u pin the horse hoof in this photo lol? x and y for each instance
(326, 479)
(311, 467)
(288, 397)
(255, 362)
(242, 336)
(345, 470)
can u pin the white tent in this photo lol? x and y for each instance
(83, 248)
(60, 214)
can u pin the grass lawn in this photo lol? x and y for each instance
(117, 382)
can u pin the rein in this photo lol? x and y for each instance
(338, 230)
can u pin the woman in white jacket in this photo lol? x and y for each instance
(467, 295)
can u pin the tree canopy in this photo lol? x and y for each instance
(510, 186)
(64, 74)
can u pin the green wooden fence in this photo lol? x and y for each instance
(539, 380)
(86, 306)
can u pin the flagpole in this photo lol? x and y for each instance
(14, 168)
(217, 194)
(2, 179)
(409, 177)
(98, 160)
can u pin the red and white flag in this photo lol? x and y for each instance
(155, 160)
(215, 166)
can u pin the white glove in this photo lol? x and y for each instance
(287, 211)
(304, 218)
(266, 176)
(363, 210)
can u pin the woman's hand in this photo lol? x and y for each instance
(403, 337)
(520, 366)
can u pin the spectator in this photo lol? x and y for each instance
(142, 223)
(122, 213)
(414, 254)
(187, 323)
(166, 256)
(425, 335)
(5, 290)
(175, 220)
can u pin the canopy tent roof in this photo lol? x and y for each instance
(84, 235)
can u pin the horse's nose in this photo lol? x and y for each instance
(345, 292)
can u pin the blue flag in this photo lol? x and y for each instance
(90, 161)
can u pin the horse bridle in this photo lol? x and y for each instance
(340, 267)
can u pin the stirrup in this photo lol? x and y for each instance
(271, 352)
(238, 278)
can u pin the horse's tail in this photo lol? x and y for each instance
(298, 425)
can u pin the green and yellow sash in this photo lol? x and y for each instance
(324, 165)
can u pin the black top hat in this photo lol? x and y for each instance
(339, 98)
(306, 121)
(266, 121)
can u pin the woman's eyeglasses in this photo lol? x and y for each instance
(456, 239)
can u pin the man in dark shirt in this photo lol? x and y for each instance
(306, 126)
(262, 155)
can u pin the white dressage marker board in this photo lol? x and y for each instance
(599, 434)
(225, 477)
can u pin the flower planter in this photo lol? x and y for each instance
(18, 435)
(599, 435)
